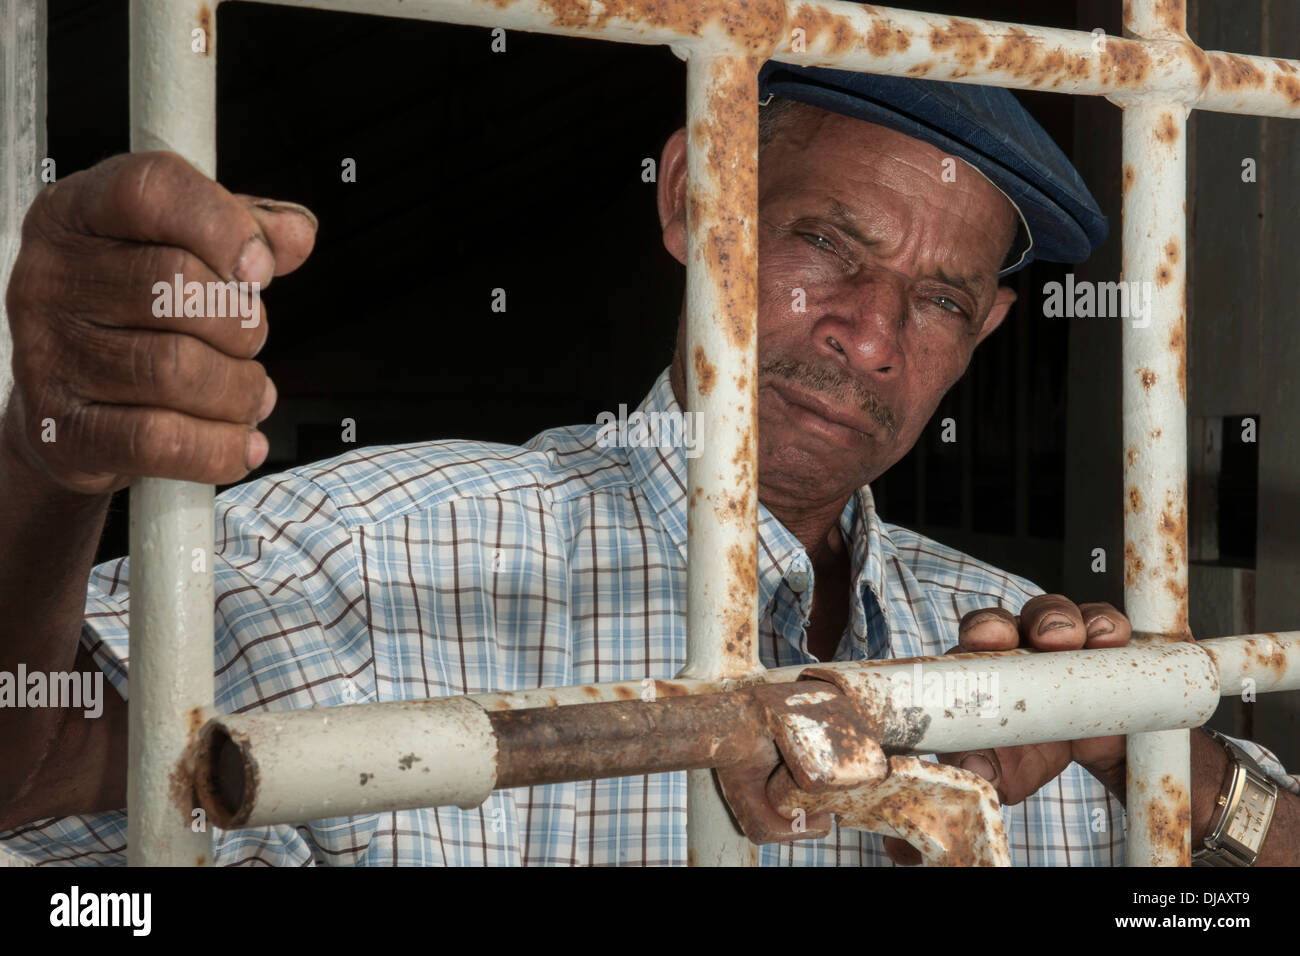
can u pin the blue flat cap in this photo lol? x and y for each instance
(985, 126)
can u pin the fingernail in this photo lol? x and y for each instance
(257, 448)
(255, 263)
(279, 205)
(985, 617)
(268, 399)
(1100, 625)
(1052, 621)
(979, 764)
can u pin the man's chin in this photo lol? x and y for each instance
(811, 470)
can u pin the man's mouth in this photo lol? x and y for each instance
(839, 425)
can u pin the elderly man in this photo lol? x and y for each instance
(888, 207)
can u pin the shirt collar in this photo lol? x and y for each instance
(785, 573)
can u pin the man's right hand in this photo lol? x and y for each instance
(132, 394)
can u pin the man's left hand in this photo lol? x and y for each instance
(1049, 622)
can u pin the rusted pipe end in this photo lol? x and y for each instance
(225, 778)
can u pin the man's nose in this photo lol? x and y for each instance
(861, 325)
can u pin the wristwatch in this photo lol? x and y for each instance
(1243, 812)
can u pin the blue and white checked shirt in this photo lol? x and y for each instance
(458, 567)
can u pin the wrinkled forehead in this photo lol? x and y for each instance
(819, 147)
(875, 168)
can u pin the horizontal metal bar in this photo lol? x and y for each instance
(874, 39)
(292, 766)
(257, 769)
(718, 26)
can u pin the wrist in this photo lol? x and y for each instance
(1210, 771)
(27, 479)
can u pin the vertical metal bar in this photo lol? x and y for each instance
(1155, 434)
(22, 147)
(173, 106)
(22, 140)
(721, 346)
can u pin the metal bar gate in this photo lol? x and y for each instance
(1153, 690)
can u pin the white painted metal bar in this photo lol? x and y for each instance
(721, 384)
(22, 148)
(1155, 435)
(173, 106)
(22, 141)
(292, 766)
(339, 761)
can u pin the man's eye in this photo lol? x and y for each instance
(948, 304)
(821, 242)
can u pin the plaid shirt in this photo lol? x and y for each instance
(457, 567)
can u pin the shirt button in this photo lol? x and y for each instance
(798, 581)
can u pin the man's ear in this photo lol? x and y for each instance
(1002, 303)
(671, 195)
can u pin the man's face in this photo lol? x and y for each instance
(876, 281)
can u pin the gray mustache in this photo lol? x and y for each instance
(835, 386)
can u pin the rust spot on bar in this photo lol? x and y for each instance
(1163, 275)
(1289, 87)
(625, 693)
(1125, 62)
(1132, 455)
(1169, 816)
(1134, 499)
(705, 373)
(1173, 14)
(200, 860)
(828, 30)
(725, 248)
(1204, 72)
(969, 44)
(1234, 72)
(1154, 434)
(1266, 654)
(1287, 66)
(668, 688)
(1129, 176)
(1178, 345)
(754, 26)
(1148, 378)
(743, 463)
(884, 39)
(920, 69)
(1171, 250)
(205, 24)
(1166, 129)
(590, 691)
(742, 580)
(1132, 564)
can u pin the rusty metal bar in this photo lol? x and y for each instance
(1155, 433)
(896, 42)
(711, 26)
(721, 385)
(289, 766)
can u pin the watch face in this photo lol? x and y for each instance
(1247, 825)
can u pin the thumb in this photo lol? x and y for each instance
(289, 228)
